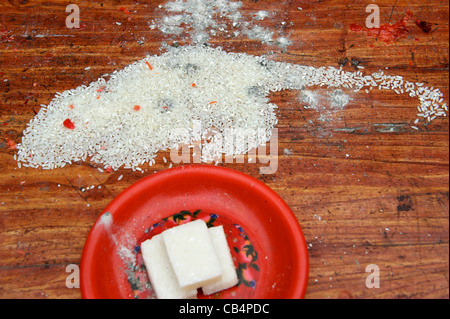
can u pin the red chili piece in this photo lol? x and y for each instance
(68, 123)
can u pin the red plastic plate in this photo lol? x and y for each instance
(264, 236)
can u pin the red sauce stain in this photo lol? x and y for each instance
(388, 32)
(11, 144)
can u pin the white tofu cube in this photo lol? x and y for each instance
(229, 276)
(159, 269)
(192, 254)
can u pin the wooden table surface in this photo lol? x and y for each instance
(365, 187)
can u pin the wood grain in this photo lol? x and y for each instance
(365, 187)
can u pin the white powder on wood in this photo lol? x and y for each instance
(200, 20)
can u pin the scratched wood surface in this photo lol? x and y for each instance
(365, 187)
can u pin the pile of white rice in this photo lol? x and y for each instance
(140, 110)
